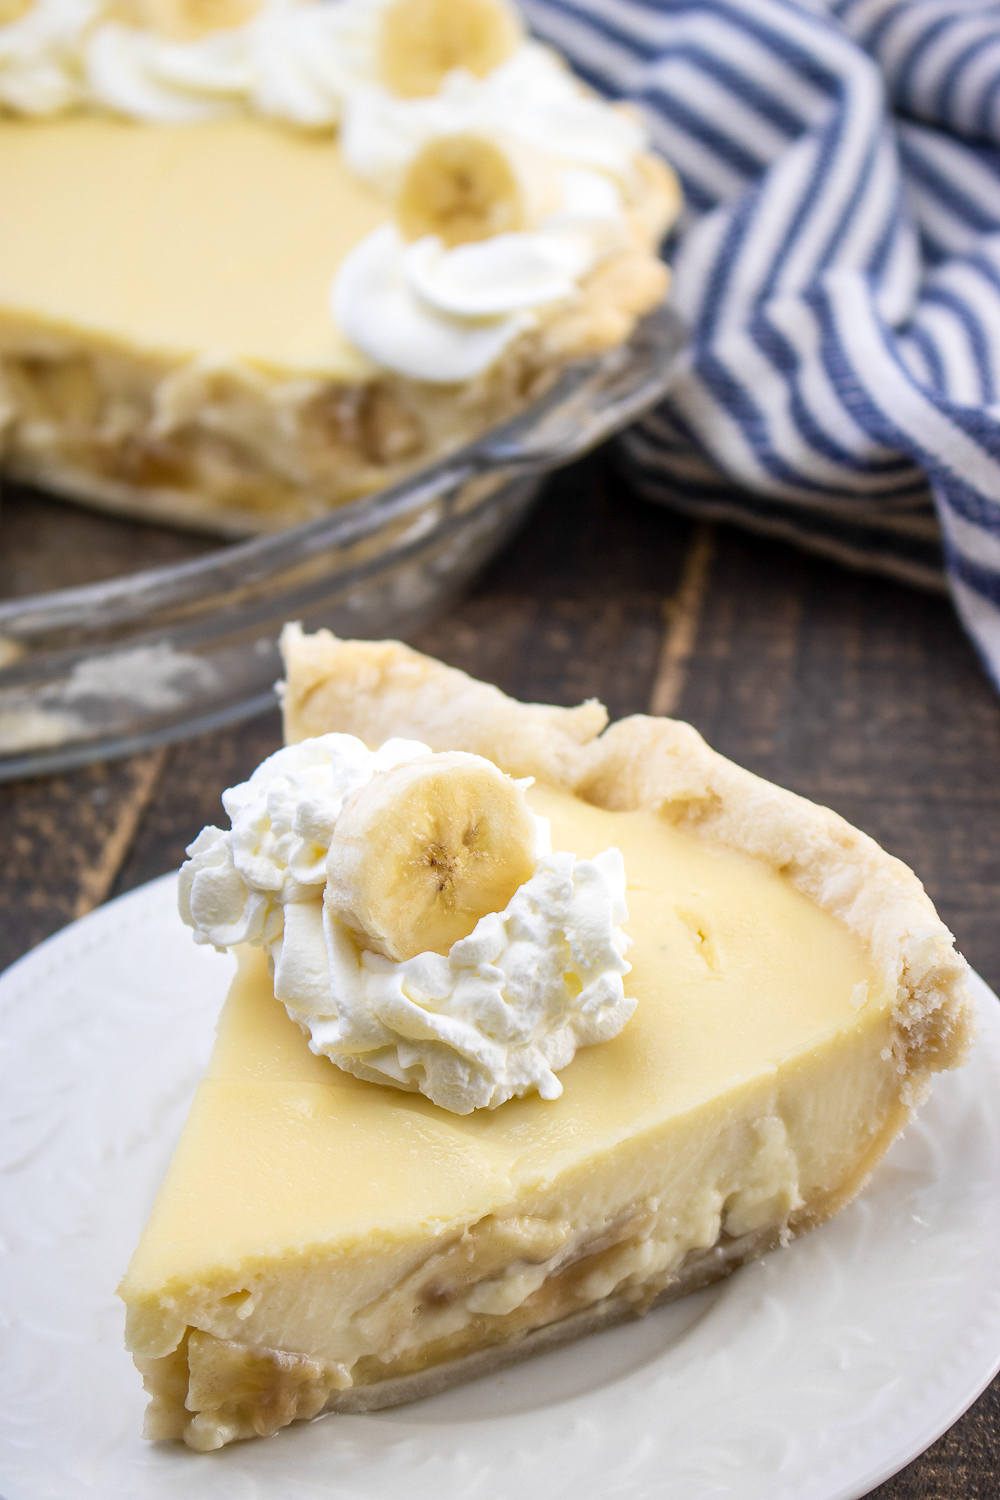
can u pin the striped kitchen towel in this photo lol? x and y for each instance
(838, 266)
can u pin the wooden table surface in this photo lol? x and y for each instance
(854, 691)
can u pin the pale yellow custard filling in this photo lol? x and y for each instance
(217, 239)
(319, 1233)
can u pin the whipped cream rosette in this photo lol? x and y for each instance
(421, 930)
(532, 98)
(509, 191)
(182, 61)
(295, 62)
(40, 54)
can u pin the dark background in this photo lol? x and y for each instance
(852, 690)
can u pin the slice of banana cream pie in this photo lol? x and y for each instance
(536, 1022)
(261, 257)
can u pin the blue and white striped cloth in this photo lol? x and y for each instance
(838, 266)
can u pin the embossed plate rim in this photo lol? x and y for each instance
(88, 1115)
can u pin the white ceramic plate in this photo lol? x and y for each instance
(812, 1375)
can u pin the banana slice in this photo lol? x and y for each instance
(420, 41)
(13, 10)
(461, 188)
(185, 20)
(421, 852)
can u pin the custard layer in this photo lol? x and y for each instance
(216, 239)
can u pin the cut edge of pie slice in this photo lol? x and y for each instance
(325, 1244)
(174, 357)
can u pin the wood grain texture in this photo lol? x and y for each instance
(64, 840)
(856, 692)
(682, 623)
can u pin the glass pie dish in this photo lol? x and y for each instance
(116, 667)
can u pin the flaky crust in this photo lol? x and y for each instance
(376, 689)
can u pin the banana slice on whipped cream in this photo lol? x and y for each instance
(423, 851)
(461, 188)
(421, 41)
(421, 932)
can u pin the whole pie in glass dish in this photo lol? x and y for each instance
(506, 1060)
(262, 257)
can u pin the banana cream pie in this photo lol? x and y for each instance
(264, 256)
(535, 1022)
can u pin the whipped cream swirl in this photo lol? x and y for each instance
(234, 886)
(445, 315)
(292, 61)
(496, 1017)
(532, 99)
(40, 56)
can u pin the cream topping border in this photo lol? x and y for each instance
(376, 689)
